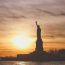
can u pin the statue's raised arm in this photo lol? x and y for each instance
(36, 23)
(38, 27)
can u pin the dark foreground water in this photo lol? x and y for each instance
(31, 63)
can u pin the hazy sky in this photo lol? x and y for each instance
(19, 16)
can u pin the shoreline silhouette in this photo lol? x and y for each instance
(39, 54)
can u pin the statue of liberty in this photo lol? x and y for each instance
(39, 43)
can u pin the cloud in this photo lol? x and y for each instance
(11, 10)
(16, 8)
(56, 30)
(60, 13)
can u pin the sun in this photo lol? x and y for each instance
(21, 42)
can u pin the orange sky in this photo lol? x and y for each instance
(17, 18)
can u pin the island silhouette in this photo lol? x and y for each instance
(39, 54)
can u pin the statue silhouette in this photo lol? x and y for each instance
(39, 43)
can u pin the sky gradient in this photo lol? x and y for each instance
(17, 17)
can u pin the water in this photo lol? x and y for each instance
(31, 63)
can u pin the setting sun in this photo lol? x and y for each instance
(21, 42)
